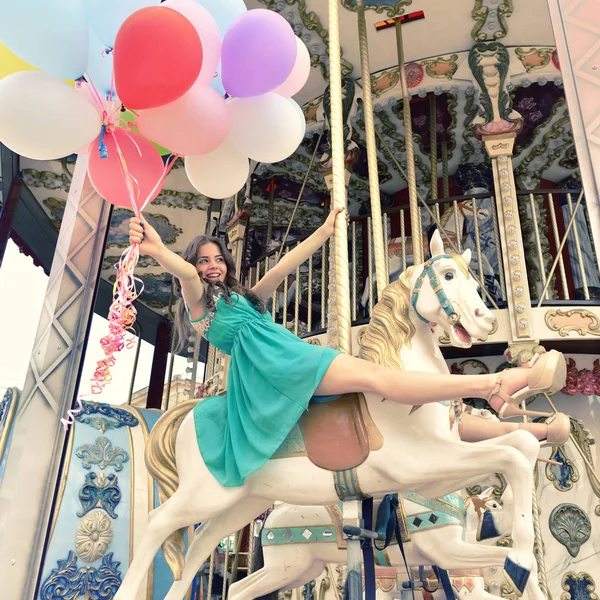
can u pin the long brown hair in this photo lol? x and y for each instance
(183, 327)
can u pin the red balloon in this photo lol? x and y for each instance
(157, 57)
(141, 160)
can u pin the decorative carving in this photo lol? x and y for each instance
(583, 381)
(101, 491)
(581, 321)
(490, 19)
(564, 476)
(584, 440)
(70, 582)
(93, 537)
(105, 417)
(534, 58)
(497, 489)
(489, 65)
(384, 80)
(414, 74)
(570, 526)
(578, 586)
(103, 454)
(390, 7)
(440, 67)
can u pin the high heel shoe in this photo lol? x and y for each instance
(559, 430)
(548, 374)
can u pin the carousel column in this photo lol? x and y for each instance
(28, 486)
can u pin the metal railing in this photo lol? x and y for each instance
(555, 229)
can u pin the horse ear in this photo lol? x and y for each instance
(467, 255)
(436, 245)
(489, 492)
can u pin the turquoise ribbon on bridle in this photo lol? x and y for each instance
(436, 286)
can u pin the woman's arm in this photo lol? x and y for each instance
(292, 260)
(192, 288)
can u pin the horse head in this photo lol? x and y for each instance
(493, 520)
(444, 292)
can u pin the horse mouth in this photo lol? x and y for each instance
(462, 334)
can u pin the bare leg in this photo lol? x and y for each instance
(348, 374)
(476, 429)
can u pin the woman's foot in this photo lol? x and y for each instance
(559, 430)
(512, 386)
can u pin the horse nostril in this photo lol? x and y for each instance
(477, 312)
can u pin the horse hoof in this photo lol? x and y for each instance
(517, 576)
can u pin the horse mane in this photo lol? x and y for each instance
(389, 329)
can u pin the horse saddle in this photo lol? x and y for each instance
(339, 434)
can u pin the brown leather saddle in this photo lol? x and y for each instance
(339, 434)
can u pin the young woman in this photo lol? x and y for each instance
(274, 374)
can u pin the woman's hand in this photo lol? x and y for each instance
(329, 225)
(142, 233)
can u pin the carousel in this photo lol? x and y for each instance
(462, 139)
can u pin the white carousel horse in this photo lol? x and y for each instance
(435, 462)
(453, 226)
(299, 541)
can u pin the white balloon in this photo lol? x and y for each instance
(220, 173)
(266, 128)
(44, 118)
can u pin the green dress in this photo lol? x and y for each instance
(272, 376)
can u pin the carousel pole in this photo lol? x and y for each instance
(415, 215)
(378, 246)
(339, 328)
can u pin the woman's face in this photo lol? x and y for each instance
(211, 263)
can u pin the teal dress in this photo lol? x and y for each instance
(272, 376)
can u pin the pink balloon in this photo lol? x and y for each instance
(208, 31)
(196, 123)
(143, 162)
(299, 75)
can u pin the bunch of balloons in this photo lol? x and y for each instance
(128, 80)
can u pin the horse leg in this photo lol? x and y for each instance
(208, 535)
(294, 566)
(162, 521)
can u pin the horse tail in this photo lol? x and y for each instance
(161, 464)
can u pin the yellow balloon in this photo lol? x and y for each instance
(11, 63)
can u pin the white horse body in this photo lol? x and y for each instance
(420, 453)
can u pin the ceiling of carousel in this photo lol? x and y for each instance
(437, 51)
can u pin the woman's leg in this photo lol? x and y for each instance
(348, 374)
(477, 429)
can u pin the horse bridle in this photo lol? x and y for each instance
(428, 271)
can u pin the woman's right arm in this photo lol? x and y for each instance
(192, 288)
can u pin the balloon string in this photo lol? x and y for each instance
(166, 170)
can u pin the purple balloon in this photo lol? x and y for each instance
(258, 53)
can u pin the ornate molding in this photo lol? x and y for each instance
(570, 526)
(578, 586)
(390, 8)
(103, 454)
(440, 67)
(566, 475)
(534, 58)
(104, 417)
(490, 19)
(71, 582)
(93, 537)
(582, 381)
(581, 321)
(99, 491)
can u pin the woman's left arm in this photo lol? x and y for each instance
(265, 288)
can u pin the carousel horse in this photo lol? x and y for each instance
(434, 461)
(299, 541)
(453, 227)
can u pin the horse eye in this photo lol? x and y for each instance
(449, 276)
(494, 505)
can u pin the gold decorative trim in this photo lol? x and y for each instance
(566, 321)
(94, 536)
(581, 576)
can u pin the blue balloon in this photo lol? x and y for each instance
(100, 66)
(52, 36)
(107, 16)
(224, 12)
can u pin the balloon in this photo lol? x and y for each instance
(258, 54)
(216, 82)
(100, 67)
(267, 128)
(52, 36)
(127, 117)
(220, 173)
(106, 16)
(143, 163)
(208, 31)
(224, 12)
(44, 118)
(299, 75)
(300, 114)
(196, 123)
(158, 56)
